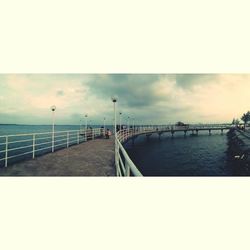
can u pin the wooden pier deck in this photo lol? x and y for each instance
(92, 158)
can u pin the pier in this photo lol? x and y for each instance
(82, 152)
(92, 158)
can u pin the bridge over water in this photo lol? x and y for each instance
(81, 153)
(194, 129)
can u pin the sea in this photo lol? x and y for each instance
(202, 155)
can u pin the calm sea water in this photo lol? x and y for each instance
(201, 155)
(25, 129)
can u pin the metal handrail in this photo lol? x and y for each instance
(17, 148)
(124, 165)
(128, 162)
(43, 133)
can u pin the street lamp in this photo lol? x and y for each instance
(128, 123)
(86, 126)
(114, 100)
(53, 109)
(104, 123)
(120, 120)
(86, 122)
(133, 124)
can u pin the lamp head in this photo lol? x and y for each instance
(114, 99)
(53, 108)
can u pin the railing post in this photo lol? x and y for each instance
(127, 168)
(116, 162)
(67, 139)
(93, 134)
(6, 151)
(34, 146)
(53, 141)
(78, 137)
(86, 134)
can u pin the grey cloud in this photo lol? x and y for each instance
(137, 96)
(132, 90)
(188, 81)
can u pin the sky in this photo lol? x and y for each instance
(148, 98)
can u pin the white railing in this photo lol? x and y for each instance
(22, 146)
(124, 165)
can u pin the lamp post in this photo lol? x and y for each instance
(53, 109)
(86, 126)
(86, 122)
(104, 123)
(114, 100)
(128, 123)
(120, 120)
(133, 125)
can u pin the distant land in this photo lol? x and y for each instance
(2, 124)
(12, 124)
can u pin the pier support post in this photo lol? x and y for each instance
(148, 136)
(197, 131)
(221, 131)
(172, 132)
(159, 134)
(209, 131)
(185, 133)
(133, 141)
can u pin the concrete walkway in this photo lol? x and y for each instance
(92, 158)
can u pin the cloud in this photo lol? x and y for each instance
(133, 90)
(189, 81)
(153, 98)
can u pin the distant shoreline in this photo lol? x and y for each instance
(2, 124)
(5, 124)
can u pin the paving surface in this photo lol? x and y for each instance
(92, 158)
